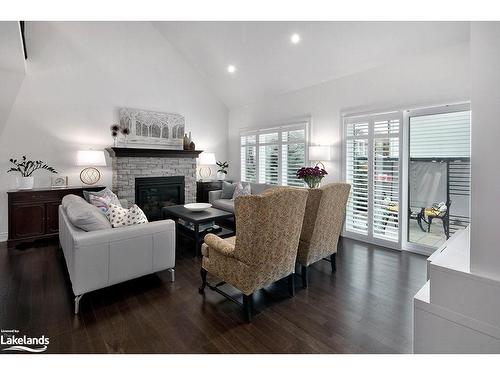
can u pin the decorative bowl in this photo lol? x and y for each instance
(197, 207)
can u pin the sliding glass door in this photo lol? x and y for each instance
(438, 175)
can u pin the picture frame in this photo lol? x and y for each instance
(58, 182)
(152, 129)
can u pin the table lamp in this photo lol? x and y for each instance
(319, 154)
(206, 159)
(90, 159)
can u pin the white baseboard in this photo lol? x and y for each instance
(4, 236)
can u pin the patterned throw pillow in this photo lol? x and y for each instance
(106, 192)
(241, 191)
(120, 217)
(101, 203)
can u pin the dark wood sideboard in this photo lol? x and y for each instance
(33, 214)
(203, 187)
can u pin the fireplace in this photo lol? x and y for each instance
(154, 193)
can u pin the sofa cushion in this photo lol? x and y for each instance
(106, 192)
(224, 204)
(83, 215)
(101, 203)
(227, 190)
(120, 217)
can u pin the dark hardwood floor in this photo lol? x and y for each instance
(366, 307)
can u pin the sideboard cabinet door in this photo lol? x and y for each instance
(28, 220)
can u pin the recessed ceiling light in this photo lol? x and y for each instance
(295, 38)
(231, 69)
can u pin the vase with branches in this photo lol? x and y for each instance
(25, 168)
(222, 171)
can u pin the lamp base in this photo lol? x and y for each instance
(205, 172)
(90, 176)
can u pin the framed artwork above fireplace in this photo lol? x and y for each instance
(149, 129)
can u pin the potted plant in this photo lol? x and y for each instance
(222, 171)
(312, 176)
(26, 168)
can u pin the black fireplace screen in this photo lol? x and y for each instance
(154, 193)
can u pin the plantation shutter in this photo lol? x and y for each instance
(372, 167)
(273, 156)
(293, 155)
(357, 176)
(386, 179)
(248, 158)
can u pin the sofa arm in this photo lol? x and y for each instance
(214, 195)
(84, 239)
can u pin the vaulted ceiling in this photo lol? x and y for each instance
(267, 63)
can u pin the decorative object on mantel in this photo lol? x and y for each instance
(222, 172)
(191, 146)
(59, 182)
(152, 129)
(206, 159)
(186, 141)
(115, 128)
(90, 159)
(312, 176)
(26, 168)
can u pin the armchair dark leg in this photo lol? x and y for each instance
(333, 262)
(203, 273)
(247, 307)
(291, 285)
(303, 273)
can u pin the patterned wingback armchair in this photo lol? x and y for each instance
(265, 249)
(323, 220)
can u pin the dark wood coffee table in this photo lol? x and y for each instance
(196, 219)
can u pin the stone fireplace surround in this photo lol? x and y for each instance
(129, 163)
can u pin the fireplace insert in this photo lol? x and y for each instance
(154, 193)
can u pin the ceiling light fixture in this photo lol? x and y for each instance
(295, 38)
(231, 69)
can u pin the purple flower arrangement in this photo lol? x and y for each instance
(312, 176)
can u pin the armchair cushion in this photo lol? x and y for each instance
(227, 190)
(83, 215)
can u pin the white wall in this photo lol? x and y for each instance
(437, 78)
(78, 74)
(485, 99)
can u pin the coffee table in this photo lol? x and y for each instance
(195, 219)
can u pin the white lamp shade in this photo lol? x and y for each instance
(89, 158)
(207, 158)
(319, 153)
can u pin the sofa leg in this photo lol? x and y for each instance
(303, 273)
(203, 273)
(172, 275)
(291, 285)
(333, 262)
(77, 303)
(247, 307)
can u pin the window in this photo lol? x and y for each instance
(371, 166)
(273, 156)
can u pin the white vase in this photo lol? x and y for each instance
(221, 176)
(25, 183)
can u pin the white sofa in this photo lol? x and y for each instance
(101, 258)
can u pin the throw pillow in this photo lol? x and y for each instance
(120, 217)
(241, 191)
(227, 190)
(106, 192)
(83, 215)
(101, 203)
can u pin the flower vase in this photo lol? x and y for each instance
(25, 183)
(221, 176)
